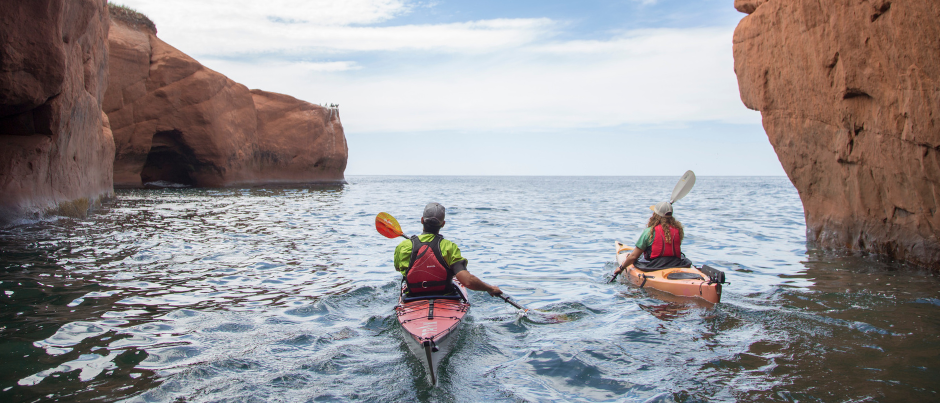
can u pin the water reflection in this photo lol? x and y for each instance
(57, 333)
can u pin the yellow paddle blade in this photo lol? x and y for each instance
(388, 225)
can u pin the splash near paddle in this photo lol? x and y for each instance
(388, 226)
(513, 303)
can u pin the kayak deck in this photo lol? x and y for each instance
(430, 324)
(679, 281)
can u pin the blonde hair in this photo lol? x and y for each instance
(667, 222)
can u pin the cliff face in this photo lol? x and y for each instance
(175, 120)
(850, 99)
(297, 141)
(56, 149)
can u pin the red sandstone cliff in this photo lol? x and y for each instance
(176, 120)
(850, 99)
(56, 150)
(297, 141)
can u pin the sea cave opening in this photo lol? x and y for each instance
(171, 162)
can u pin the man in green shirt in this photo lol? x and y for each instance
(454, 264)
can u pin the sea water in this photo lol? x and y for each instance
(286, 294)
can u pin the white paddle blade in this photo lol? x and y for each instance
(683, 187)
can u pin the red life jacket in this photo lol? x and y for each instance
(428, 270)
(660, 247)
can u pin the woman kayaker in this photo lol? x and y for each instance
(429, 262)
(660, 243)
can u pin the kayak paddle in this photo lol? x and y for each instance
(614, 277)
(388, 226)
(513, 303)
(682, 188)
(541, 316)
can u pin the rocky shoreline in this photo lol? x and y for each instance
(90, 102)
(176, 120)
(56, 145)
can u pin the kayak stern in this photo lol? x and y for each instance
(430, 325)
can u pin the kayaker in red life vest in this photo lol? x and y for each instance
(660, 243)
(429, 262)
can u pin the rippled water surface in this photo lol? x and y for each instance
(286, 294)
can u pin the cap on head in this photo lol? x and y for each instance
(433, 214)
(662, 208)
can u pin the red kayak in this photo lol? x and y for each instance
(430, 323)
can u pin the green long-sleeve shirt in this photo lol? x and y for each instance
(449, 250)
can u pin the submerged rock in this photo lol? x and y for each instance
(850, 99)
(176, 121)
(56, 149)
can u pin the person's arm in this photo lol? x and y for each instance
(472, 282)
(646, 239)
(459, 266)
(631, 258)
(402, 256)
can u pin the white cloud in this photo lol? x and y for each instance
(296, 27)
(328, 66)
(177, 13)
(644, 42)
(649, 76)
(497, 76)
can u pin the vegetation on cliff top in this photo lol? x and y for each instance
(131, 17)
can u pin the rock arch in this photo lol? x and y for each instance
(170, 160)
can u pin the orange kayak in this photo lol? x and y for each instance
(430, 324)
(702, 282)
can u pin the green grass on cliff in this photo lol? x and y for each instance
(131, 17)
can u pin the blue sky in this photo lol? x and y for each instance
(628, 87)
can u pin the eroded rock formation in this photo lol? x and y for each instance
(177, 121)
(297, 141)
(850, 99)
(56, 150)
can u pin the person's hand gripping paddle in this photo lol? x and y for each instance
(682, 188)
(388, 226)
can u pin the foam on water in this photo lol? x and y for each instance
(286, 294)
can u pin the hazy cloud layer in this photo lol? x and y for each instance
(241, 14)
(497, 75)
(297, 28)
(650, 76)
(474, 75)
